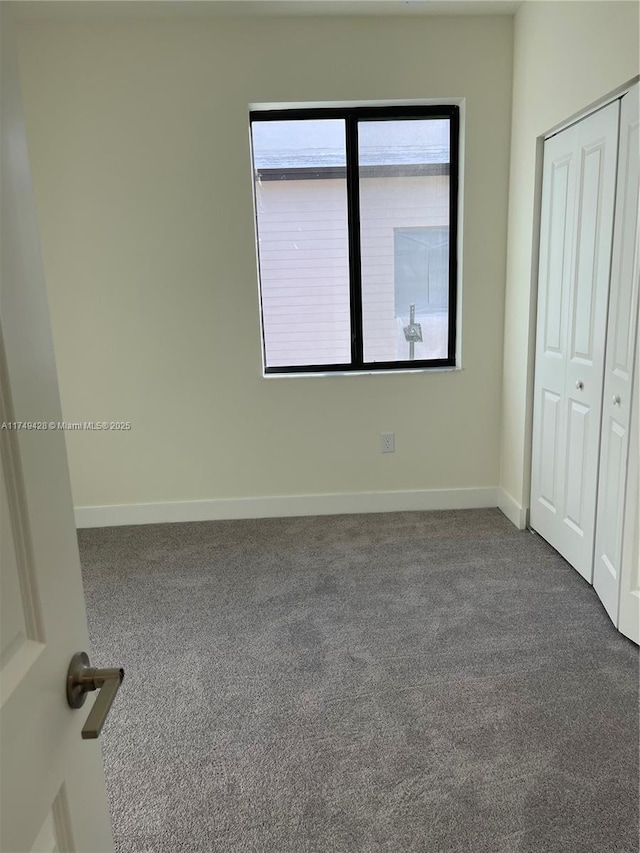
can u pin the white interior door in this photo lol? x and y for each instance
(629, 613)
(53, 795)
(573, 286)
(619, 364)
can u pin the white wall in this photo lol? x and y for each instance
(566, 56)
(138, 134)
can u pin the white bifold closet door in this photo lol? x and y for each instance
(618, 467)
(578, 193)
(629, 613)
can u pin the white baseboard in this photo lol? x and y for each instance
(284, 506)
(511, 508)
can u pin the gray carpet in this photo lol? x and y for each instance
(410, 682)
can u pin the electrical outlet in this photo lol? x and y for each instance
(387, 442)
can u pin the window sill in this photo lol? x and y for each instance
(420, 370)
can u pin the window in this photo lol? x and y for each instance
(356, 213)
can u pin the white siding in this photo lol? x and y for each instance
(387, 204)
(304, 268)
(304, 271)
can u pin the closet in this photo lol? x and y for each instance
(584, 466)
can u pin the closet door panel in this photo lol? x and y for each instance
(629, 612)
(549, 442)
(626, 261)
(575, 253)
(589, 255)
(611, 502)
(556, 244)
(597, 154)
(619, 361)
(578, 441)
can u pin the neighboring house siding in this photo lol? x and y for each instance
(304, 266)
(304, 271)
(387, 204)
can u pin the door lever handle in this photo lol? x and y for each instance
(82, 679)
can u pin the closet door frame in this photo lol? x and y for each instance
(614, 95)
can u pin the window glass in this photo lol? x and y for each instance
(303, 249)
(421, 280)
(404, 226)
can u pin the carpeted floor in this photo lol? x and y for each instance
(410, 683)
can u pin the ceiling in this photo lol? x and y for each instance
(39, 9)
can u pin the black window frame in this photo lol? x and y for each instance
(351, 116)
